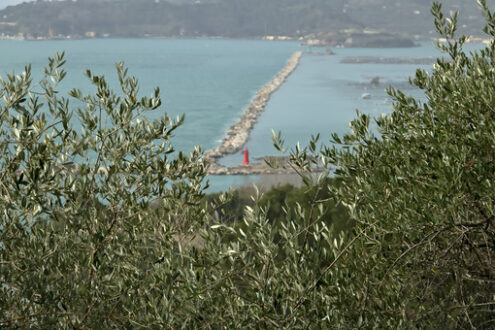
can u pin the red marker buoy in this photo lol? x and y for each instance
(246, 157)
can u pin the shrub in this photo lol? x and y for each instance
(81, 246)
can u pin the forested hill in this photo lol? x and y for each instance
(225, 18)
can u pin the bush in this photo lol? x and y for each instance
(421, 195)
(80, 246)
(80, 229)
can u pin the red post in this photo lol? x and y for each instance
(246, 157)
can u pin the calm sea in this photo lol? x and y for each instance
(212, 81)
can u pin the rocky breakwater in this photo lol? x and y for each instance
(253, 168)
(238, 134)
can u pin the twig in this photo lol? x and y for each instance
(341, 253)
(433, 234)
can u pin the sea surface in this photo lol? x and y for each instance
(212, 81)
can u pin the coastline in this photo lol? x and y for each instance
(238, 134)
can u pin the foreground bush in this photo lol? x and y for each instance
(421, 195)
(122, 240)
(79, 232)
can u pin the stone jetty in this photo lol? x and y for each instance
(251, 169)
(238, 134)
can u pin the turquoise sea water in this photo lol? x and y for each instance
(323, 94)
(212, 81)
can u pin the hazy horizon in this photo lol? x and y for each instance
(6, 3)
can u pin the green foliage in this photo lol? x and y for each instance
(421, 195)
(230, 209)
(280, 201)
(79, 237)
(227, 18)
(125, 239)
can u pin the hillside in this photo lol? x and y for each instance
(224, 18)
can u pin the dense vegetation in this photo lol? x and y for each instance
(126, 239)
(228, 18)
(275, 201)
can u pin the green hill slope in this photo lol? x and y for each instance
(225, 18)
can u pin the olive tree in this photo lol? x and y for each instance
(420, 190)
(420, 195)
(103, 227)
(86, 212)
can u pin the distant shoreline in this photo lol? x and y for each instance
(238, 134)
(78, 38)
